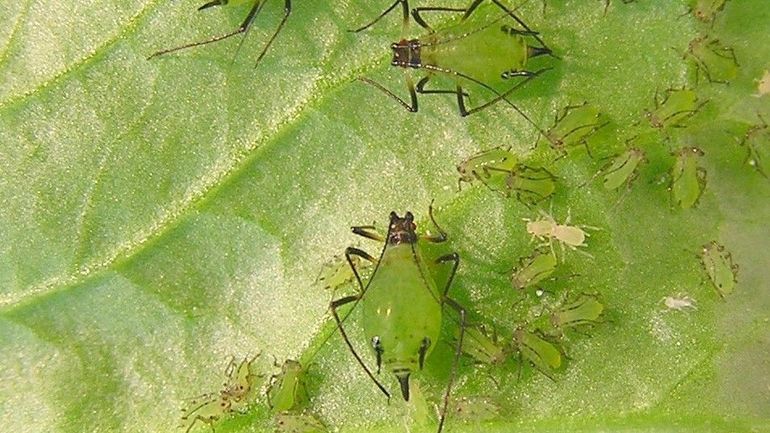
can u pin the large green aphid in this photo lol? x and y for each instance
(490, 167)
(487, 49)
(573, 126)
(244, 28)
(622, 169)
(688, 179)
(720, 268)
(715, 61)
(235, 394)
(287, 390)
(674, 109)
(541, 353)
(533, 269)
(585, 310)
(402, 304)
(531, 185)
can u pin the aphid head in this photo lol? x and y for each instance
(406, 53)
(402, 230)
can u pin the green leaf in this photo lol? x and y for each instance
(159, 216)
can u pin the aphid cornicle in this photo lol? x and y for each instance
(256, 8)
(402, 305)
(480, 54)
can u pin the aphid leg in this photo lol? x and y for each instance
(369, 232)
(419, 19)
(412, 93)
(499, 96)
(458, 351)
(440, 237)
(286, 13)
(420, 88)
(344, 301)
(243, 28)
(351, 251)
(455, 259)
(404, 7)
(510, 13)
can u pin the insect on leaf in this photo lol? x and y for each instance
(720, 268)
(533, 269)
(688, 179)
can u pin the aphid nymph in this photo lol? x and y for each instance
(547, 229)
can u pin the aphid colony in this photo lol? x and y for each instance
(283, 392)
(403, 306)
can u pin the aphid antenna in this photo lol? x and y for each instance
(405, 8)
(242, 29)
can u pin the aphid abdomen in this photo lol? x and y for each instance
(484, 55)
(402, 310)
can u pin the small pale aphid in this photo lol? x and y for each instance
(547, 229)
(688, 179)
(490, 167)
(585, 310)
(712, 59)
(234, 396)
(679, 303)
(720, 268)
(482, 347)
(543, 355)
(533, 269)
(677, 106)
(337, 272)
(623, 168)
(287, 391)
(289, 422)
(573, 126)
(763, 85)
(706, 10)
(475, 409)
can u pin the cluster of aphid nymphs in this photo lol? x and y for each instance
(501, 171)
(539, 340)
(283, 392)
(237, 393)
